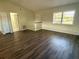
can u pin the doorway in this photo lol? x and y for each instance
(14, 22)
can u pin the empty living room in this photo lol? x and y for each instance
(39, 29)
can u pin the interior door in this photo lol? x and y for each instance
(14, 21)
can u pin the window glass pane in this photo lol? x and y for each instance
(57, 18)
(68, 17)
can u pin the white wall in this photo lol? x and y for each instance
(47, 17)
(25, 16)
(37, 22)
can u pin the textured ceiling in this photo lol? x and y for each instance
(42, 4)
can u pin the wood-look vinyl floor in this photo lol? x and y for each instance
(39, 45)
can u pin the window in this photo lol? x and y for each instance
(66, 17)
(57, 18)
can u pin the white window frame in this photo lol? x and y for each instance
(62, 17)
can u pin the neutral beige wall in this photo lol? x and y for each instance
(47, 17)
(25, 16)
(37, 22)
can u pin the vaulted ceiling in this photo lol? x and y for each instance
(42, 4)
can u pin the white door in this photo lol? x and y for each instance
(14, 21)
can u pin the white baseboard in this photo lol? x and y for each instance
(73, 33)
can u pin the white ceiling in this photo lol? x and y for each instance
(42, 4)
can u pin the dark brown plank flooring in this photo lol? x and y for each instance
(39, 45)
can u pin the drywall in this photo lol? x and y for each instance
(37, 22)
(47, 19)
(25, 16)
